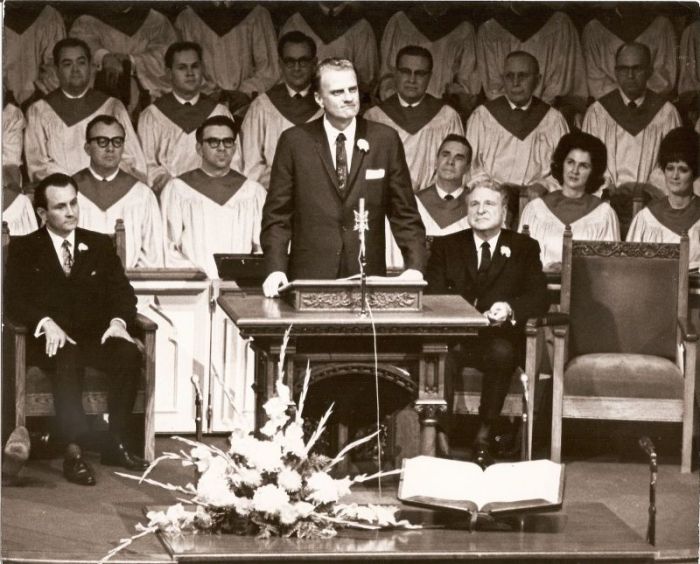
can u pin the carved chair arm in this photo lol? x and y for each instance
(552, 319)
(16, 328)
(687, 329)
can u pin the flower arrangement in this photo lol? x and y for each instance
(271, 486)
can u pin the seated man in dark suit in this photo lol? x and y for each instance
(68, 286)
(499, 272)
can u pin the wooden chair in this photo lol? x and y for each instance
(31, 387)
(629, 351)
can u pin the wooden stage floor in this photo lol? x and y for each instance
(49, 520)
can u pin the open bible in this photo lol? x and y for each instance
(512, 487)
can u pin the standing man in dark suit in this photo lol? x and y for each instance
(68, 286)
(320, 171)
(499, 272)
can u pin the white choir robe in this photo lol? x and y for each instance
(27, 62)
(197, 226)
(146, 47)
(646, 228)
(138, 208)
(556, 47)
(357, 43)
(454, 56)
(243, 58)
(600, 45)
(421, 146)
(12, 131)
(632, 143)
(167, 146)
(689, 57)
(262, 126)
(54, 145)
(504, 156)
(18, 212)
(599, 224)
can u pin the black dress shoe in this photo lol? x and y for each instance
(76, 470)
(119, 456)
(482, 456)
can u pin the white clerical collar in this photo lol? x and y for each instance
(493, 241)
(57, 242)
(332, 132)
(638, 101)
(442, 193)
(513, 106)
(293, 92)
(405, 104)
(70, 96)
(108, 178)
(192, 101)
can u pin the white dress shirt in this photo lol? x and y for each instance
(332, 134)
(493, 241)
(405, 104)
(514, 106)
(639, 101)
(293, 92)
(442, 193)
(192, 101)
(105, 178)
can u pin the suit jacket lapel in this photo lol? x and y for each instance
(472, 257)
(50, 257)
(498, 261)
(324, 151)
(79, 256)
(357, 155)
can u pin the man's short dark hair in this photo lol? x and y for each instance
(635, 45)
(588, 144)
(414, 51)
(66, 43)
(180, 47)
(527, 55)
(457, 138)
(57, 179)
(215, 120)
(102, 118)
(296, 37)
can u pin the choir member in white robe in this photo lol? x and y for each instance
(128, 39)
(513, 137)
(620, 24)
(665, 220)
(421, 120)
(283, 106)
(12, 133)
(211, 209)
(17, 212)
(689, 76)
(55, 132)
(442, 205)
(167, 127)
(238, 41)
(443, 29)
(342, 32)
(550, 36)
(31, 29)
(578, 165)
(107, 193)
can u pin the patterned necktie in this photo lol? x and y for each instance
(341, 161)
(485, 258)
(67, 262)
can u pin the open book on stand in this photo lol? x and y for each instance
(512, 487)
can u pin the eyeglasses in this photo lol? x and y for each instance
(303, 62)
(214, 142)
(417, 73)
(102, 142)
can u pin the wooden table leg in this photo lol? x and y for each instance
(431, 393)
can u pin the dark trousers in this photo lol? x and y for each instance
(118, 358)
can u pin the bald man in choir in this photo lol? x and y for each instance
(239, 48)
(665, 220)
(285, 105)
(444, 29)
(421, 120)
(107, 193)
(513, 136)
(339, 30)
(211, 209)
(631, 120)
(615, 24)
(55, 133)
(128, 41)
(167, 127)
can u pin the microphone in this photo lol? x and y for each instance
(647, 445)
(362, 225)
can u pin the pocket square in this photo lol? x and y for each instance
(93, 273)
(374, 173)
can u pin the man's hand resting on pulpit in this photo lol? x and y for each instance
(273, 282)
(411, 274)
(499, 313)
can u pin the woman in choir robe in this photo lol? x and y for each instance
(578, 164)
(665, 220)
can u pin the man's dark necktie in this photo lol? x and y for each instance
(298, 96)
(448, 197)
(485, 258)
(632, 105)
(341, 161)
(67, 262)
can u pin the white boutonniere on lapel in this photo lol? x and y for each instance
(363, 145)
(82, 247)
(505, 251)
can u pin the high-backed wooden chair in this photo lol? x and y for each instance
(31, 387)
(629, 351)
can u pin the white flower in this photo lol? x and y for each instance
(304, 509)
(505, 251)
(294, 440)
(288, 514)
(325, 489)
(82, 247)
(289, 479)
(243, 506)
(267, 457)
(247, 477)
(202, 457)
(243, 445)
(363, 145)
(270, 499)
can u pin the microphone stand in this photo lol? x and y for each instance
(525, 433)
(648, 447)
(197, 407)
(362, 225)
